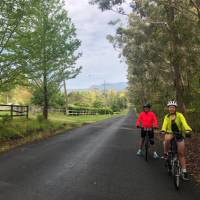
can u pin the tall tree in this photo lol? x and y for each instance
(107, 4)
(161, 44)
(12, 18)
(49, 47)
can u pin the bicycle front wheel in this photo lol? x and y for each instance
(176, 174)
(169, 163)
(146, 149)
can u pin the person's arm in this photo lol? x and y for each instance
(155, 121)
(164, 126)
(139, 120)
(184, 123)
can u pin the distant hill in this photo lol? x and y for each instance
(108, 86)
(111, 86)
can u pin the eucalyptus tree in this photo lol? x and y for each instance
(161, 47)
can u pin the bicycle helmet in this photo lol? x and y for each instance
(172, 103)
(147, 105)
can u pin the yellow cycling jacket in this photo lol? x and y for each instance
(180, 121)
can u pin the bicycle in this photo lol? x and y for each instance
(172, 162)
(147, 131)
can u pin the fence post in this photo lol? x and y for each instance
(27, 111)
(11, 111)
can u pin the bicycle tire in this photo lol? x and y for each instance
(169, 164)
(176, 175)
(146, 148)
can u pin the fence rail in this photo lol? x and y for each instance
(14, 110)
(73, 112)
(61, 110)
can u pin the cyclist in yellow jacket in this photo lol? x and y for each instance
(176, 122)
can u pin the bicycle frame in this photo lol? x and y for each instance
(147, 141)
(174, 167)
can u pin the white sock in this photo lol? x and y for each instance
(184, 170)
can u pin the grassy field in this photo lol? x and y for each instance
(20, 131)
(78, 119)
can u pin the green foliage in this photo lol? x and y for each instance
(193, 117)
(40, 118)
(37, 42)
(22, 128)
(56, 98)
(57, 101)
(161, 47)
(9, 133)
(13, 16)
(98, 104)
(97, 99)
(107, 4)
(79, 109)
(6, 119)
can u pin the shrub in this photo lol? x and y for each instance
(6, 119)
(9, 133)
(193, 118)
(40, 118)
(102, 110)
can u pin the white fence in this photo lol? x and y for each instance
(82, 112)
(35, 110)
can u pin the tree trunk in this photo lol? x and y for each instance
(66, 98)
(45, 81)
(179, 86)
(175, 58)
(45, 108)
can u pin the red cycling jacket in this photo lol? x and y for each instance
(148, 120)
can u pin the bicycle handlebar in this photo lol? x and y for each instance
(187, 134)
(146, 129)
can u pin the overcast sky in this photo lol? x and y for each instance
(99, 60)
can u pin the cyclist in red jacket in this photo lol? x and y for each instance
(148, 120)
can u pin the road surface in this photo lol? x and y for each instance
(96, 162)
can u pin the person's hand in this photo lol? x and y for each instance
(188, 134)
(162, 132)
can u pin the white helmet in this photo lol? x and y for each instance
(172, 103)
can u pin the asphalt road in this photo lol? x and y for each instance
(96, 162)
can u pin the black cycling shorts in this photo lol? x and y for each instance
(179, 137)
(151, 135)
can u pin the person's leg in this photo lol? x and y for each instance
(141, 144)
(181, 155)
(167, 140)
(143, 135)
(152, 142)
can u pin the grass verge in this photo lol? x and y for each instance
(20, 131)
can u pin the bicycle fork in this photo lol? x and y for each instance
(176, 169)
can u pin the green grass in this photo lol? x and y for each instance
(18, 131)
(77, 119)
(21, 127)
